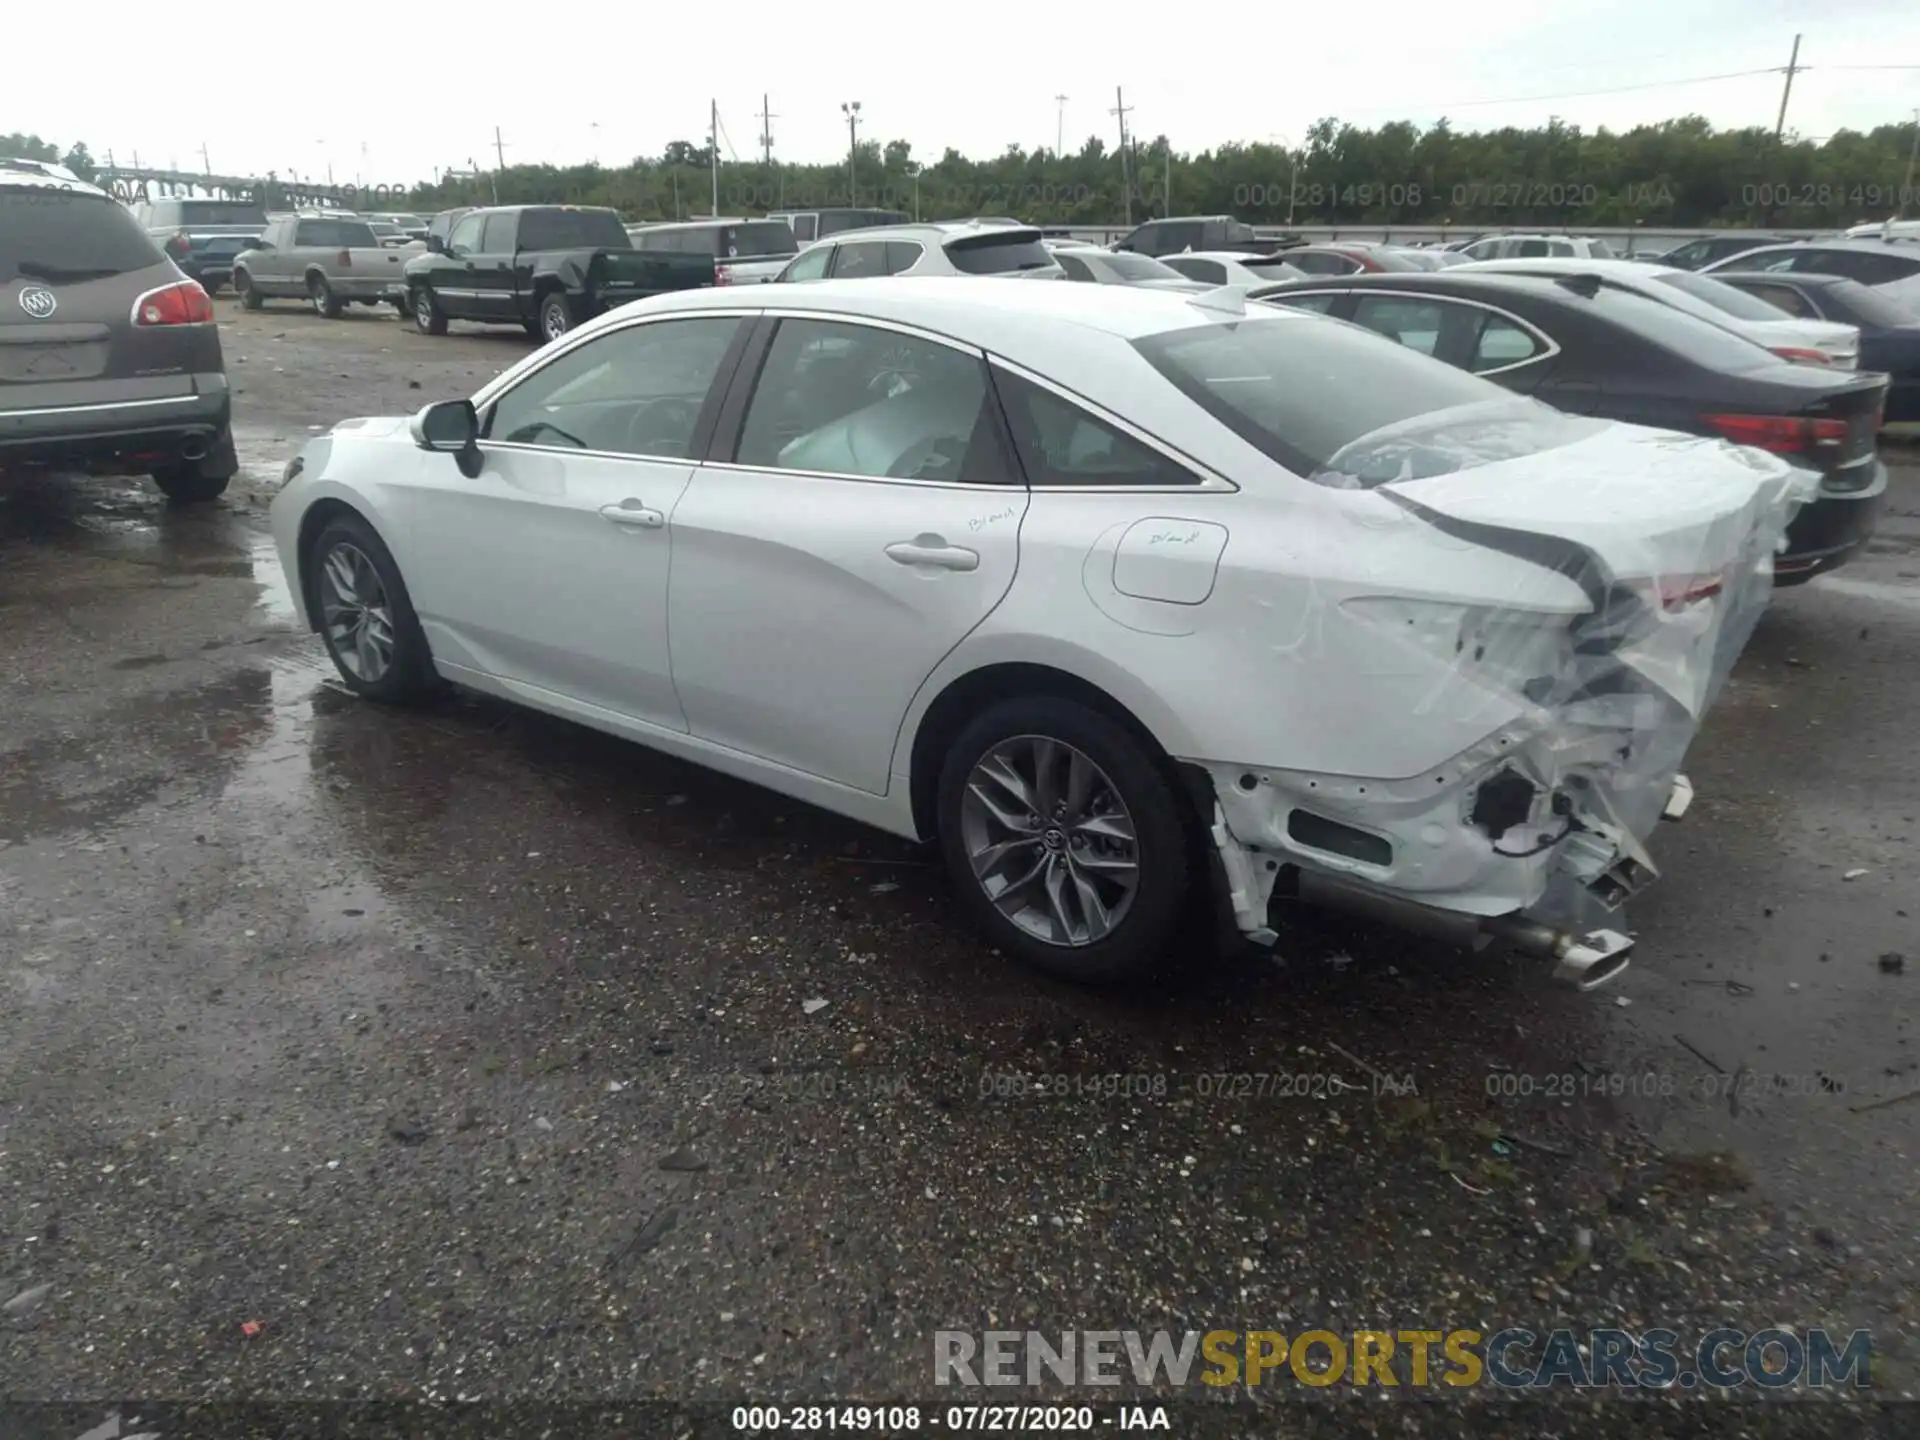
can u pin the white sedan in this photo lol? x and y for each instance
(1806, 342)
(1112, 592)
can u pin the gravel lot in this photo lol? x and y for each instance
(352, 1053)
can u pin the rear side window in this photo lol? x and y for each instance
(544, 229)
(1304, 393)
(902, 255)
(999, 254)
(1877, 269)
(497, 237)
(1061, 444)
(336, 234)
(66, 236)
(804, 227)
(861, 260)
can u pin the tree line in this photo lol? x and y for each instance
(1680, 173)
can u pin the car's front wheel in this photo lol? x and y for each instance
(428, 318)
(1065, 838)
(365, 614)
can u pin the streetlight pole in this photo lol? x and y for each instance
(851, 109)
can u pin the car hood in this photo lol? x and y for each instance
(1649, 505)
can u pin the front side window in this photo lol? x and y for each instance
(637, 391)
(1062, 444)
(844, 399)
(549, 228)
(1691, 255)
(466, 235)
(861, 260)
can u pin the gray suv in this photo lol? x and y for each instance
(109, 356)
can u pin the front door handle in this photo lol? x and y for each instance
(632, 512)
(945, 557)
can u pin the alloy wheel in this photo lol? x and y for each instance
(356, 613)
(1050, 840)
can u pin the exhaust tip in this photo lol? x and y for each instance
(194, 447)
(1593, 960)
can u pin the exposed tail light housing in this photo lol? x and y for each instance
(182, 303)
(1677, 592)
(723, 274)
(1802, 355)
(179, 243)
(1780, 434)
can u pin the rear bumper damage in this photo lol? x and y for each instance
(1537, 835)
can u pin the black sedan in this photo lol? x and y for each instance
(1889, 333)
(1595, 348)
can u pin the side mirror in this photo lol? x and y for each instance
(261, 245)
(435, 245)
(453, 427)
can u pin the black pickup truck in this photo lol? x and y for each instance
(547, 267)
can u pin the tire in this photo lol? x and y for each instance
(250, 298)
(1139, 922)
(427, 316)
(556, 316)
(325, 303)
(189, 484)
(347, 562)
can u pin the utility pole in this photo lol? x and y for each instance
(767, 117)
(1060, 124)
(1126, 173)
(851, 109)
(1913, 161)
(713, 152)
(595, 127)
(1166, 204)
(500, 158)
(206, 165)
(1793, 65)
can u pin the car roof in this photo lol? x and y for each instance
(1568, 265)
(1005, 316)
(703, 223)
(1839, 242)
(935, 230)
(1819, 279)
(1442, 282)
(1241, 256)
(15, 176)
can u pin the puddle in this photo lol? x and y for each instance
(264, 569)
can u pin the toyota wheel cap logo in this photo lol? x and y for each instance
(38, 301)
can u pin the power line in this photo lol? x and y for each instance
(1579, 94)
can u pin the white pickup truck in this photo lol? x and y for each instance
(745, 252)
(328, 260)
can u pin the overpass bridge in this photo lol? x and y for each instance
(133, 184)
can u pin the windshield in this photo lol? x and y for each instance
(556, 229)
(60, 235)
(222, 212)
(1327, 400)
(1722, 296)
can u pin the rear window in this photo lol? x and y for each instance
(336, 234)
(58, 235)
(1871, 305)
(761, 239)
(1722, 296)
(1124, 266)
(572, 230)
(221, 212)
(1691, 338)
(1336, 403)
(1001, 254)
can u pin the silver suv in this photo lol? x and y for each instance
(953, 248)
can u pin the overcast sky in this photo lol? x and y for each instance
(295, 88)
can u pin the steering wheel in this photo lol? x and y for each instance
(664, 424)
(889, 383)
(937, 457)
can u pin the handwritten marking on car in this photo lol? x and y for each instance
(1173, 537)
(981, 522)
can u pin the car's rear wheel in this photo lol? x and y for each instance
(365, 615)
(325, 302)
(556, 316)
(243, 287)
(1065, 838)
(427, 316)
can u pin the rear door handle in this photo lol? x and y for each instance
(945, 557)
(632, 512)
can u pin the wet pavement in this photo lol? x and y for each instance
(354, 1052)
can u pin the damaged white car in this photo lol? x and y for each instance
(1113, 593)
